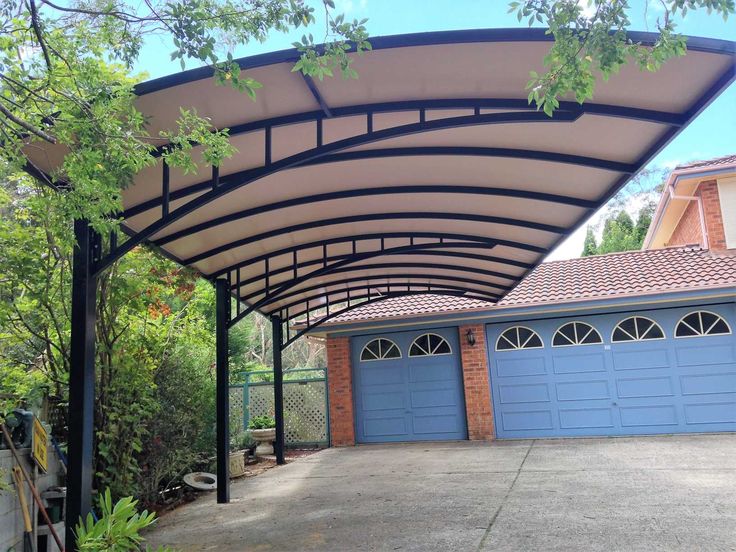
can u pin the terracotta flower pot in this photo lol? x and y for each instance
(265, 439)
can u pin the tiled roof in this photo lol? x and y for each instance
(717, 162)
(598, 277)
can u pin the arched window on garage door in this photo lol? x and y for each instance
(700, 323)
(429, 345)
(636, 328)
(576, 333)
(518, 337)
(380, 349)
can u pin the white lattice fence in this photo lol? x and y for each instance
(237, 412)
(305, 408)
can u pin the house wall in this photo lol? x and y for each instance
(340, 391)
(474, 359)
(688, 229)
(478, 407)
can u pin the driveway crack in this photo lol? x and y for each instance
(505, 498)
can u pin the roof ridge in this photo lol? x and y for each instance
(701, 163)
(630, 252)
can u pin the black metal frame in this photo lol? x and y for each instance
(89, 260)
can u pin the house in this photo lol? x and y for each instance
(621, 344)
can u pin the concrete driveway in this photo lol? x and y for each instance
(647, 493)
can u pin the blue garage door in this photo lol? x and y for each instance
(648, 372)
(408, 387)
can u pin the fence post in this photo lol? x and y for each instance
(246, 399)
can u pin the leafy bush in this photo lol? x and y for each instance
(261, 422)
(118, 528)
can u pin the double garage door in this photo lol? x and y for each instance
(408, 387)
(663, 371)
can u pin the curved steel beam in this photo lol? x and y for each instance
(384, 281)
(335, 314)
(245, 176)
(221, 186)
(276, 295)
(366, 192)
(466, 36)
(489, 242)
(420, 248)
(355, 295)
(603, 110)
(375, 290)
(468, 217)
(383, 278)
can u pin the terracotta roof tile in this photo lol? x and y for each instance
(598, 277)
(718, 161)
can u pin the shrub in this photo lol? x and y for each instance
(118, 528)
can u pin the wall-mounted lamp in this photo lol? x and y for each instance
(470, 337)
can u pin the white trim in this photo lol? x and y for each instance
(575, 329)
(429, 353)
(635, 338)
(520, 347)
(380, 350)
(682, 320)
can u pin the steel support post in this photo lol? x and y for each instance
(222, 298)
(278, 387)
(81, 381)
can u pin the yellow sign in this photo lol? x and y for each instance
(39, 451)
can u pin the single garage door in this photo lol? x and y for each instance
(648, 372)
(408, 387)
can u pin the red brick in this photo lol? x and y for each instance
(340, 389)
(477, 389)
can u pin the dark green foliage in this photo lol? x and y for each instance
(261, 422)
(620, 233)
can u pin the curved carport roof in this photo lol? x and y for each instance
(428, 173)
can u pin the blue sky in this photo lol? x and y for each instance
(711, 135)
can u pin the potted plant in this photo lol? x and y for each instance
(263, 430)
(240, 444)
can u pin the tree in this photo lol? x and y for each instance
(590, 246)
(66, 80)
(595, 43)
(620, 233)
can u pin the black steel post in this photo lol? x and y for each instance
(222, 316)
(278, 387)
(81, 382)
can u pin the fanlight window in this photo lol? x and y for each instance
(636, 328)
(518, 337)
(701, 323)
(429, 345)
(576, 333)
(380, 349)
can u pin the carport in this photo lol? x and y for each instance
(428, 174)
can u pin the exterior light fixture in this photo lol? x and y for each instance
(470, 337)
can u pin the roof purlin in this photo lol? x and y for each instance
(335, 151)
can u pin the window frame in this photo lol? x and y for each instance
(721, 317)
(596, 330)
(362, 350)
(519, 326)
(409, 355)
(638, 340)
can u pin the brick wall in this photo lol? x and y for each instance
(475, 380)
(688, 231)
(340, 381)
